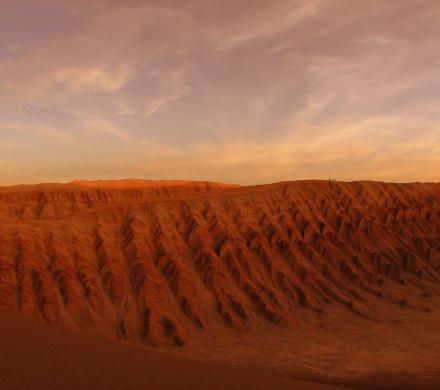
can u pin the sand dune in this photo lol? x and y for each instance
(207, 267)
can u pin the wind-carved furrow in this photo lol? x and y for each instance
(189, 310)
(86, 200)
(247, 285)
(239, 309)
(40, 205)
(332, 271)
(242, 279)
(145, 324)
(138, 257)
(45, 299)
(36, 295)
(253, 285)
(170, 271)
(135, 267)
(257, 248)
(224, 312)
(261, 304)
(203, 256)
(7, 285)
(308, 275)
(280, 253)
(285, 286)
(62, 270)
(232, 312)
(223, 236)
(420, 266)
(293, 286)
(110, 274)
(88, 279)
(19, 269)
(353, 272)
(224, 250)
(335, 296)
(7, 276)
(171, 331)
(73, 204)
(177, 276)
(334, 278)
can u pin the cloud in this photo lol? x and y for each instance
(375, 40)
(48, 132)
(104, 127)
(285, 17)
(241, 90)
(372, 150)
(91, 79)
(160, 103)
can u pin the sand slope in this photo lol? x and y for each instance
(193, 264)
(35, 356)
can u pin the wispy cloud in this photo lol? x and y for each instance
(48, 132)
(161, 102)
(91, 79)
(101, 126)
(270, 24)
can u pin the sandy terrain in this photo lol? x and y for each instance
(333, 282)
(36, 356)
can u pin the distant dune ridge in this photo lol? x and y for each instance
(176, 263)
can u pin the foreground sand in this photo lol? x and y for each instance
(36, 356)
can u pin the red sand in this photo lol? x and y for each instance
(255, 274)
(35, 356)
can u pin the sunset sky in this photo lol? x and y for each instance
(238, 91)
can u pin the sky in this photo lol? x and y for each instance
(239, 91)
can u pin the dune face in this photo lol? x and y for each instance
(188, 263)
